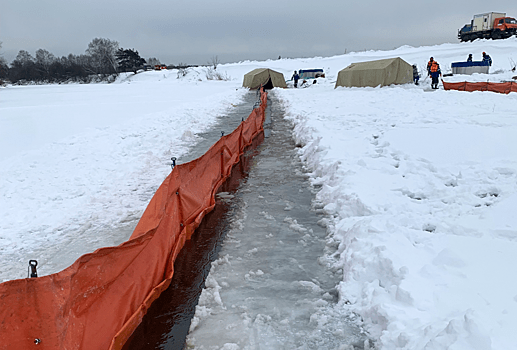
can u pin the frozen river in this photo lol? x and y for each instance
(271, 286)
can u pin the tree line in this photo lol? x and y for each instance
(103, 60)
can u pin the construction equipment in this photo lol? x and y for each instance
(491, 25)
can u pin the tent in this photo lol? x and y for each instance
(374, 73)
(263, 77)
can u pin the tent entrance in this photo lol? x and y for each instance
(268, 85)
(265, 77)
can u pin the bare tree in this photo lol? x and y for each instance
(153, 61)
(102, 52)
(4, 67)
(24, 56)
(23, 67)
(214, 62)
(44, 60)
(183, 69)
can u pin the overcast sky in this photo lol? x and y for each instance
(194, 31)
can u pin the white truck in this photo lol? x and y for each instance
(491, 25)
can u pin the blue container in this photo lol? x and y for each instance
(470, 67)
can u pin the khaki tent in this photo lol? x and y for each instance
(375, 73)
(263, 77)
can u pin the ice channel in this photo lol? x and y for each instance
(270, 286)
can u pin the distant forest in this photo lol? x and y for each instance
(103, 61)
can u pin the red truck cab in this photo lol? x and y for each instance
(504, 23)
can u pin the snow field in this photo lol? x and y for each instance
(420, 186)
(85, 183)
(418, 189)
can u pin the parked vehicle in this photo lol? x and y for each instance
(491, 25)
(311, 73)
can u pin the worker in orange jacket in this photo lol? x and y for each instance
(434, 73)
(431, 60)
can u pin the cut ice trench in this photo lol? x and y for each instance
(269, 286)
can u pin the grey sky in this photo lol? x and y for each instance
(193, 31)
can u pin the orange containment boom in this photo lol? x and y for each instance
(98, 301)
(503, 88)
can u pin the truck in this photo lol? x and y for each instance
(491, 25)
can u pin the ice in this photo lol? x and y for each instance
(272, 289)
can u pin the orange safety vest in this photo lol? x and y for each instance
(434, 67)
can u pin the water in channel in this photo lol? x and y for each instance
(167, 321)
(268, 287)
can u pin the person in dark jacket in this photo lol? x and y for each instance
(487, 58)
(469, 59)
(434, 73)
(416, 76)
(295, 77)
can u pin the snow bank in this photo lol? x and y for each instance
(419, 186)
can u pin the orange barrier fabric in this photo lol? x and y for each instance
(503, 88)
(98, 301)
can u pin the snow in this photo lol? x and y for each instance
(79, 163)
(419, 186)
